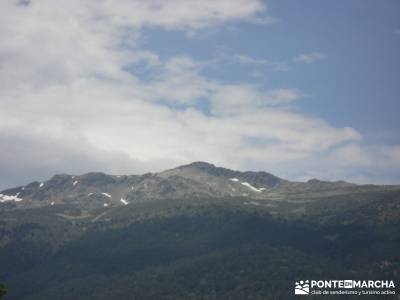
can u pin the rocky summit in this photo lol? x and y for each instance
(195, 180)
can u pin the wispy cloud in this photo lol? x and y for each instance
(280, 66)
(276, 66)
(265, 20)
(309, 58)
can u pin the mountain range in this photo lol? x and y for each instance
(193, 232)
(196, 180)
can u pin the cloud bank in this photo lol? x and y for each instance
(71, 100)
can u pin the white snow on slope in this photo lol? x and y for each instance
(75, 182)
(5, 198)
(252, 187)
(52, 203)
(124, 201)
(107, 195)
(105, 204)
(90, 194)
(41, 184)
(252, 203)
(248, 185)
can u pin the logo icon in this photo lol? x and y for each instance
(348, 284)
(302, 287)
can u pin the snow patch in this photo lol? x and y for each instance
(124, 201)
(52, 203)
(75, 182)
(90, 194)
(248, 185)
(41, 184)
(252, 203)
(5, 198)
(105, 204)
(252, 187)
(107, 195)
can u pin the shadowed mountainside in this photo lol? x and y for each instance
(193, 232)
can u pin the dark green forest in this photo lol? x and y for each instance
(197, 249)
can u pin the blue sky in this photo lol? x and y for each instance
(356, 84)
(301, 89)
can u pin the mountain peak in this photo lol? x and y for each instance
(259, 178)
(199, 165)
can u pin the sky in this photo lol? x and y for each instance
(300, 89)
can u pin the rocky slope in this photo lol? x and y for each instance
(196, 180)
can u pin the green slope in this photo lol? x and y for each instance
(234, 248)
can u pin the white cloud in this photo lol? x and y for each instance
(179, 14)
(69, 105)
(280, 66)
(309, 58)
(282, 96)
